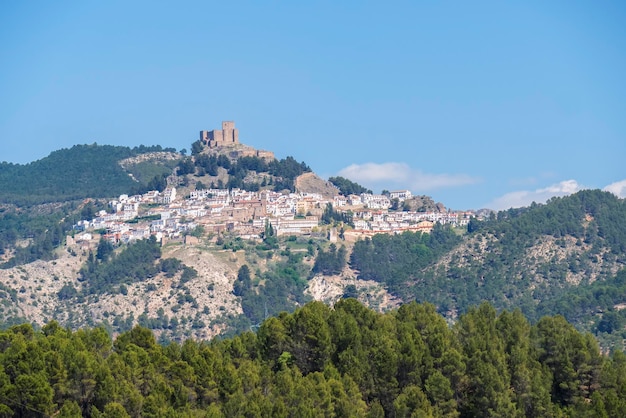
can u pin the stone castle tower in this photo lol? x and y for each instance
(228, 135)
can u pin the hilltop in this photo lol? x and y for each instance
(84, 171)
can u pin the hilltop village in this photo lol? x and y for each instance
(168, 215)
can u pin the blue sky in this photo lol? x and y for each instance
(477, 104)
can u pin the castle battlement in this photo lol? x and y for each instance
(228, 135)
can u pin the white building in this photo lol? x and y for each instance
(401, 195)
(375, 201)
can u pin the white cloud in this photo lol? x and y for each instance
(401, 176)
(526, 197)
(618, 189)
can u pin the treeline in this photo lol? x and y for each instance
(347, 187)
(69, 174)
(319, 361)
(595, 217)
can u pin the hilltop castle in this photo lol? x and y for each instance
(228, 135)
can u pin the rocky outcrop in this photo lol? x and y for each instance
(312, 183)
(149, 157)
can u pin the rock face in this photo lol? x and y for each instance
(424, 204)
(311, 183)
(32, 292)
(173, 308)
(236, 151)
(149, 157)
(330, 289)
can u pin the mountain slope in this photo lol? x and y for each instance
(68, 174)
(530, 259)
(41, 291)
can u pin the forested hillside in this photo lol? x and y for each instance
(318, 361)
(247, 173)
(42, 228)
(347, 187)
(562, 257)
(79, 172)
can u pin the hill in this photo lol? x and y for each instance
(84, 171)
(532, 259)
(239, 166)
(42, 200)
(197, 288)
